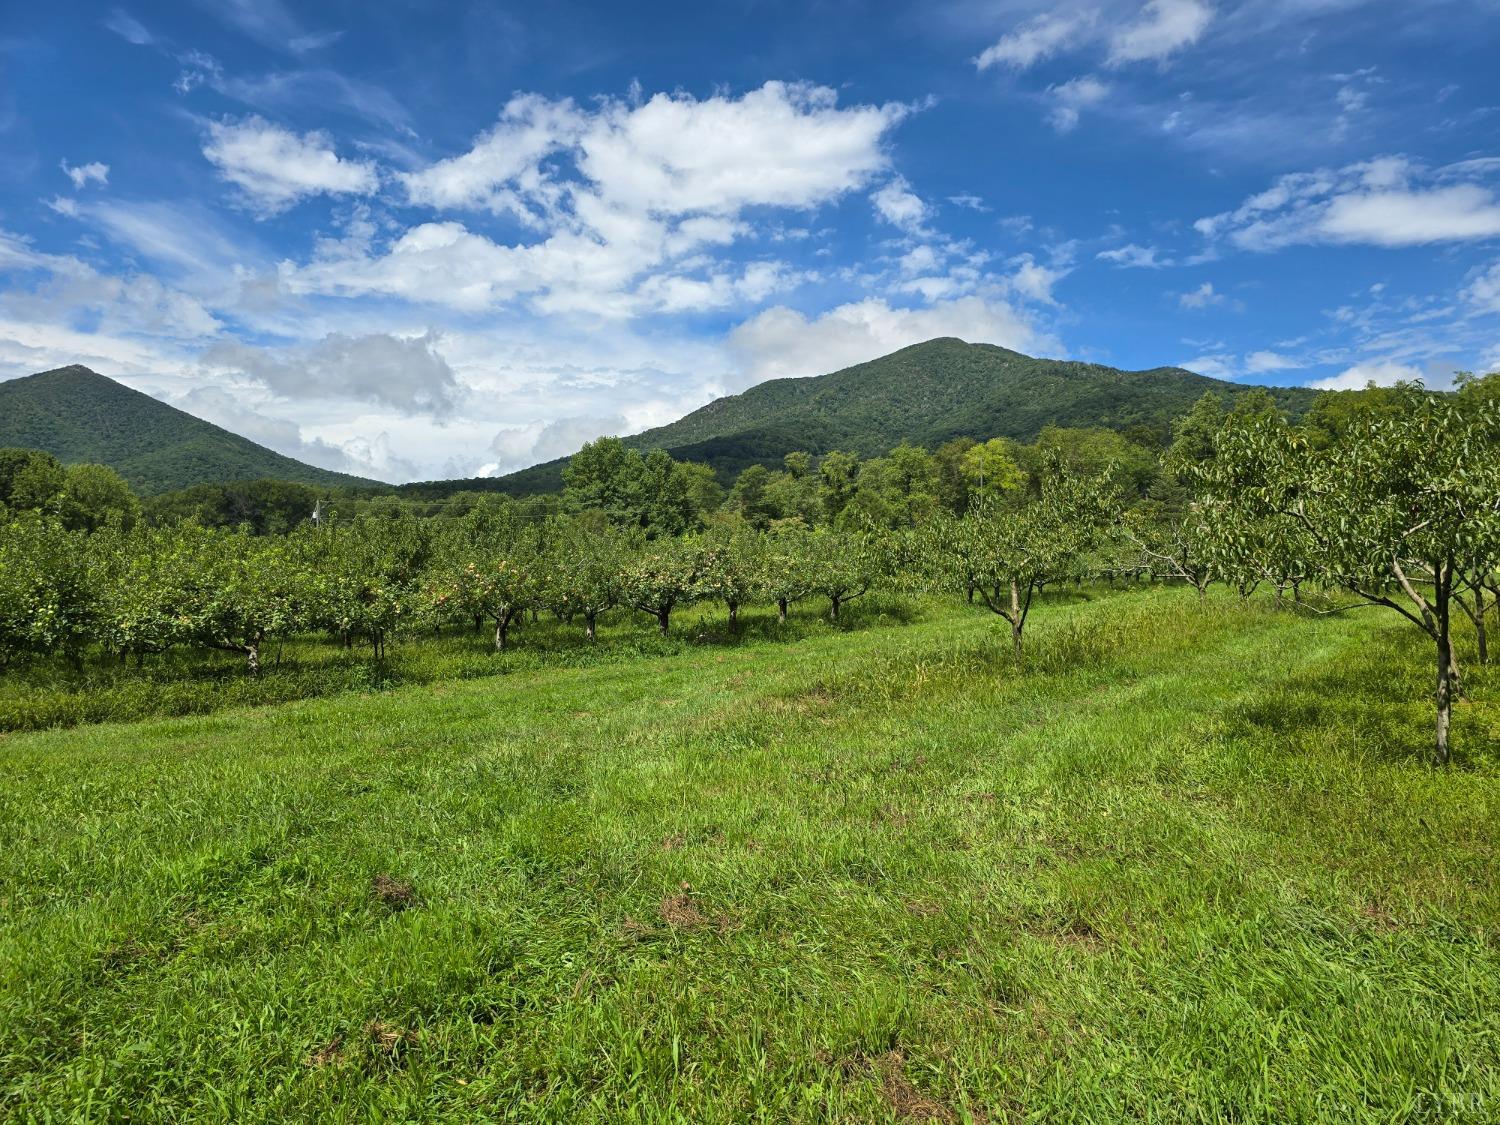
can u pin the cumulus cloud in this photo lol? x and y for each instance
(898, 205)
(619, 192)
(1070, 98)
(85, 174)
(503, 171)
(1383, 373)
(226, 409)
(1163, 27)
(276, 168)
(1037, 39)
(407, 374)
(1389, 202)
(1484, 290)
(1215, 366)
(1034, 280)
(1264, 362)
(1201, 298)
(782, 342)
(1131, 256)
(566, 436)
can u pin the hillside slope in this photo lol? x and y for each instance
(925, 394)
(79, 415)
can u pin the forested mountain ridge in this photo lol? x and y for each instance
(924, 394)
(78, 415)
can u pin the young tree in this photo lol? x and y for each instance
(1009, 551)
(50, 595)
(586, 561)
(365, 576)
(1398, 512)
(660, 576)
(786, 558)
(491, 569)
(731, 565)
(841, 566)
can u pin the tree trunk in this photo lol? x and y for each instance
(734, 617)
(663, 620)
(1479, 633)
(833, 614)
(970, 591)
(1444, 669)
(589, 620)
(478, 623)
(502, 630)
(252, 658)
(781, 611)
(1016, 621)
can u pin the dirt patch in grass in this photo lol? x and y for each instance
(329, 1054)
(395, 894)
(906, 1101)
(680, 912)
(1377, 917)
(1073, 933)
(673, 842)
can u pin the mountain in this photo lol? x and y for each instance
(924, 394)
(78, 415)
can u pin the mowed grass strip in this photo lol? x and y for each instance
(1189, 864)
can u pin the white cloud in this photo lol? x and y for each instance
(57, 288)
(1215, 366)
(1164, 27)
(565, 436)
(1484, 290)
(1389, 202)
(85, 174)
(1070, 98)
(625, 195)
(1413, 218)
(1263, 362)
(231, 411)
(276, 168)
(898, 205)
(782, 342)
(503, 171)
(1034, 280)
(1037, 39)
(1383, 373)
(1201, 298)
(1131, 256)
(408, 375)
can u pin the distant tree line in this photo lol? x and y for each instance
(1385, 497)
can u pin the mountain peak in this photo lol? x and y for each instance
(79, 415)
(925, 393)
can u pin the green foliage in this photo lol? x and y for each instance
(49, 590)
(1402, 510)
(653, 492)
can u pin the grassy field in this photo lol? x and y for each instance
(1191, 864)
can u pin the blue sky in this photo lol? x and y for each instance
(421, 240)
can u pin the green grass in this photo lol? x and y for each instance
(1190, 865)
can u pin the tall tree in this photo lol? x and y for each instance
(1398, 511)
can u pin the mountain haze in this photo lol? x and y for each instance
(78, 415)
(924, 394)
